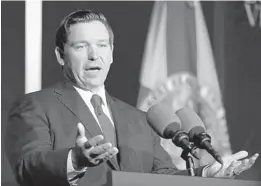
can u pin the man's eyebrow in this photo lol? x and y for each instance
(78, 42)
(103, 40)
(83, 41)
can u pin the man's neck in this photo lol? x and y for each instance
(93, 90)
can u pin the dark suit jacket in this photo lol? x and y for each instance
(42, 129)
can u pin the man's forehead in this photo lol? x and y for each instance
(92, 29)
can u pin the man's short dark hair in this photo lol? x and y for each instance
(79, 16)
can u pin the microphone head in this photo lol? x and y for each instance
(164, 122)
(190, 121)
(195, 131)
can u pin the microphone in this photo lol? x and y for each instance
(167, 125)
(197, 132)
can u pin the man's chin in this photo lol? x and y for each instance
(92, 86)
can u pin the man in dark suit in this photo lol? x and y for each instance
(75, 132)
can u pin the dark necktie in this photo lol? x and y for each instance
(105, 123)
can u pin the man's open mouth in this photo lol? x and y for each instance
(93, 68)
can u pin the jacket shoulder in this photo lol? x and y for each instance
(44, 96)
(130, 108)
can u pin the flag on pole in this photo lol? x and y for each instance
(178, 69)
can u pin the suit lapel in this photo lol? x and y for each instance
(127, 157)
(114, 112)
(73, 101)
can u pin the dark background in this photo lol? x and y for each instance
(236, 45)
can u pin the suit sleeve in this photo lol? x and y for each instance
(29, 147)
(163, 163)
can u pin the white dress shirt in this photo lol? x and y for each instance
(86, 96)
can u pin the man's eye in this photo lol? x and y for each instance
(102, 45)
(79, 47)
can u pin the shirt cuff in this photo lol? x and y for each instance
(72, 174)
(204, 171)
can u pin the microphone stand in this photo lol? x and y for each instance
(185, 155)
(181, 139)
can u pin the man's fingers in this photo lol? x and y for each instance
(229, 171)
(98, 150)
(113, 151)
(247, 163)
(93, 141)
(253, 158)
(108, 154)
(240, 155)
(102, 156)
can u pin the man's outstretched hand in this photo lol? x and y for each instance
(233, 165)
(89, 153)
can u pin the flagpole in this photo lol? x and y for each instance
(33, 45)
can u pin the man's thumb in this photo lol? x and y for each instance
(240, 155)
(81, 130)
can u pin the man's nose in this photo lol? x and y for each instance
(92, 53)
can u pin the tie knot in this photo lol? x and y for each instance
(96, 100)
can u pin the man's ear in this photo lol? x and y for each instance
(59, 56)
(112, 48)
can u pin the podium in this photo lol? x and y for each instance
(116, 178)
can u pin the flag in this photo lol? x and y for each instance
(178, 69)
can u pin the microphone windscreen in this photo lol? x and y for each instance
(190, 121)
(160, 117)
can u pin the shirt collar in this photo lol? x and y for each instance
(87, 94)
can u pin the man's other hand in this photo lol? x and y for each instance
(233, 165)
